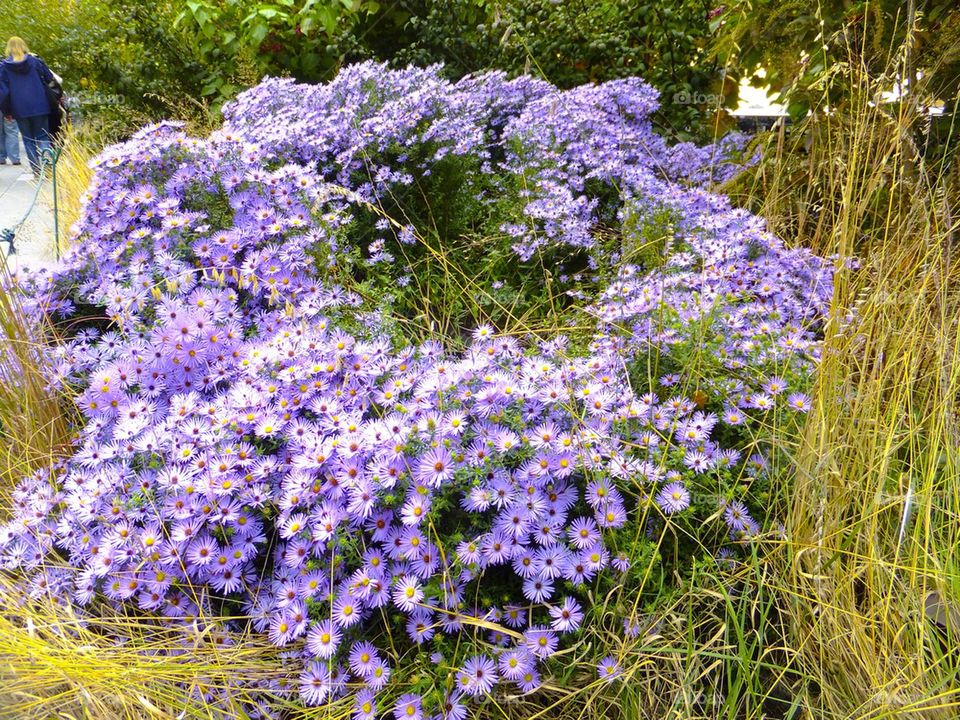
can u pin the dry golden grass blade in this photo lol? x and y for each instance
(54, 662)
(34, 421)
(73, 176)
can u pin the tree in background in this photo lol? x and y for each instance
(122, 61)
(300, 38)
(854, 76)
(806, 48)
(568, 42)
(128, 62)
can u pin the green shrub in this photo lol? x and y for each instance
(122, 61)
(567, 43)
(301, 38)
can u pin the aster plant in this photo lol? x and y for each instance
(260, 451)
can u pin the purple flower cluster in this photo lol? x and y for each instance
(374, 131)
(727, 291)
(255, 454)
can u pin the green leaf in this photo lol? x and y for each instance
(203, 22)
(259, 32)
(798, 109)
(270, 13)
(328, 18)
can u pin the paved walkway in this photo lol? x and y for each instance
(34, 240)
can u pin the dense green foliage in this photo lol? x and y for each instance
(122, 61)
(127, 62)
(567, 43)
(302, 38)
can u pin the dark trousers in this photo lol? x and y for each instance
(35, 131)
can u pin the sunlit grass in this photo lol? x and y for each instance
(867, 577)
(55, 663)
(34, 424)
(74, 173)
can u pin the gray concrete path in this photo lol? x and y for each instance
(34, 240)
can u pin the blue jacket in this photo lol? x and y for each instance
(23, 91)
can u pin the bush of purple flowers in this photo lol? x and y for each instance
(261, 451)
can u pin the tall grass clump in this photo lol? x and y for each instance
(867, 577)
(34, 423)
(58, 663)
(873, 520)
(78, 146)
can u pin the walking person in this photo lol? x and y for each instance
(24, 79)
(9, 140)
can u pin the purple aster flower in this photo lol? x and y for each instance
(567, 616)
(315, 683)
(537, 589)
(414, 510)
(435, 468)
(529, 681)
(468, 552)
(202, 551)
(583, 533)
(407, 594)
(323, 639)
(452, 708)
(282, 629)
(347, 611)
(408, 707)
(478, 676)
(514, 663)
(733, 416)
(611, 515)
(549, 561)
(750, 529)
(756, 464)
(514, 616)
(540, 641)
(420, 626)
(379, 675)
(697, 461)
(774, 385)
(363, 657)
(727, 458)
(608, 669)
(736, 515)
(673, 498)
(365, 705)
